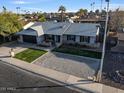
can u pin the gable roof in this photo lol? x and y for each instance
(60, 28)
(28, 31)
(50, 28)
(28, 25)
(85, 29)
(37, 26)
(55, 28)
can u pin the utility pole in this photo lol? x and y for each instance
(104, 43)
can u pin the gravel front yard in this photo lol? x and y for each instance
(112, 63)
(71, 64)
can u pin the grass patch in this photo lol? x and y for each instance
(30, 55)
(78, 51)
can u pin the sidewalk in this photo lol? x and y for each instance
(79, 84)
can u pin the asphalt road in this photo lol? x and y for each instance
(14, 77)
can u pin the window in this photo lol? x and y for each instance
(71, 37)
(85, 39)
(58, 38)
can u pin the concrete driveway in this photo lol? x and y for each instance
(4, 49)
(74, 65)
(18, 47)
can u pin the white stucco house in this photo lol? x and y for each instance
(50, 33)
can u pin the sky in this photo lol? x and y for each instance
(53, 5)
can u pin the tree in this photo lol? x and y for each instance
(97, 12)
(62, 9)
(4, 9)
(85, 11)
(17, 8)
(9, 24)
(82, 12)
(103, 13)
(116, 20)
(41, 18)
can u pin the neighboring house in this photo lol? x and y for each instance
(52, 33)
(120, 36)
(120, 42)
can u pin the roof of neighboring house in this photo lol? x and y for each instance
(120, 35)
(60, 28)
(90, 20)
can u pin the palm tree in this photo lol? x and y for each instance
(4, 9)
(91, 6)
(62, 9)
(17, 8)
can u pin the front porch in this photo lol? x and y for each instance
(51, 40)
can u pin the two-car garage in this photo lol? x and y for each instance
(29, 39)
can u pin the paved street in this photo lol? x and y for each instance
(74, 65)
(14, 77)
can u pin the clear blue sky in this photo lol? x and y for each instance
(52, 5)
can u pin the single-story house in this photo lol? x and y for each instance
(50, 33)
(120, 42)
